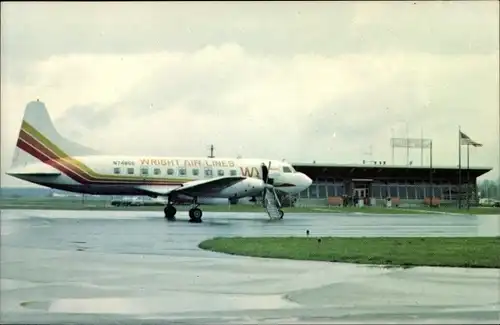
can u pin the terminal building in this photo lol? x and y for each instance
(404, 184)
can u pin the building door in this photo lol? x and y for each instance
(360, 192)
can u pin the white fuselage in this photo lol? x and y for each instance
(126, 175)
(45, 157)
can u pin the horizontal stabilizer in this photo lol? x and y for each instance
(34, 170)
(33, 174)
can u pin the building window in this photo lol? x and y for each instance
(220, 172)
(392, 190)
(340, 189)
(313, 191)
(182, 171)
(232, 172)
(412, 195)
(322, 191)
(157, 171)
(196, 172)
(377, 191)
(170, 171)
(402, 192)
(144, 171)
(419, 192)
(446, 195)
(116, 170)
(428, 190)
(438, 192)
(130, 171)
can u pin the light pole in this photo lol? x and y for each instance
(407, 136)
(407, 144)
(392, 146)
(399, 120)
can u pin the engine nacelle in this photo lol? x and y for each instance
(246, 187)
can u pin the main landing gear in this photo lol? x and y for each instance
(195, 213)
(170, 212)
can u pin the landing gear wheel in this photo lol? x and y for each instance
(281, 213)
(195, 215)
(170, 212)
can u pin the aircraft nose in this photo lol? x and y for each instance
(306, 180)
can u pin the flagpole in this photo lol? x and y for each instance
(468, 178)
(459, 167)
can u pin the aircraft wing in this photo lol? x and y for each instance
(193, 188)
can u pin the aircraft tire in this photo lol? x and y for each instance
(170, 212)
(195, 215)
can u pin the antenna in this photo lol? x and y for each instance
(211, 151)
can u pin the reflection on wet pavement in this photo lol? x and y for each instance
(60, 266)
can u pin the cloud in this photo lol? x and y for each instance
(34, 31)
(272, 103)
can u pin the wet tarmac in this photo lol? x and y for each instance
(126, 267)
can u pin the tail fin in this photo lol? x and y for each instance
(39, 140)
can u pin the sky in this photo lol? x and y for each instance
(329, 82)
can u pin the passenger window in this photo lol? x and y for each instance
(144, 171)
(157, 171)
(220, 172)
(232, 172)
(182, 171)
(116, 170)
(170, 171)
(130, 171)
(287, 169)
(196, 172)
(208, 172)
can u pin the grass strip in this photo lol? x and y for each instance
(471, 252)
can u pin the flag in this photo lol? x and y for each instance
(466, 140)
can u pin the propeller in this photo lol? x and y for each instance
(266, 179)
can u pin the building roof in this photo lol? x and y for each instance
(364, 166)
(371, 171)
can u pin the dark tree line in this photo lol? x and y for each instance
(489, 189)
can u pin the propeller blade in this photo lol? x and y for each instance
(265, 173)
(269, 180)
(265, 179)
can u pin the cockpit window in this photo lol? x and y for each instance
(287, 169)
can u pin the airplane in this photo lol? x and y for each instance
(43, 156)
